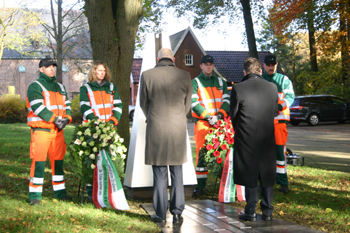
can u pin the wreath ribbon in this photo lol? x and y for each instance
(107, 188)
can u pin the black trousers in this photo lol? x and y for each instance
(252, 198)
(160, 193)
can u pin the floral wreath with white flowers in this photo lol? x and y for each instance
(88, 139)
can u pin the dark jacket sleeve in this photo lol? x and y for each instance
(144, 103)
(234, 105)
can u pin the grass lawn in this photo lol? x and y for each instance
(319, 199)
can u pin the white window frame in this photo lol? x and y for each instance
(189, 59)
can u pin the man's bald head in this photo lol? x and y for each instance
(165, 53)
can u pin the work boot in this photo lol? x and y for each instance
(284, 189)
(65, 198)
(197, 192)
(35, 202)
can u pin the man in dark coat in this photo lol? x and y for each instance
(253, 107)
(165, 99)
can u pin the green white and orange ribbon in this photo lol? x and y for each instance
(107, 188)
(227, 189)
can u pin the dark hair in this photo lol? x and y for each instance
(252, 65)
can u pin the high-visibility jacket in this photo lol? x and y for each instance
(46, 100)
(100, 102)
(210, 97)
(285, 95)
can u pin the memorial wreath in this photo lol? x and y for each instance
(88, 140)
(217, 143)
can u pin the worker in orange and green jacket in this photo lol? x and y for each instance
(99, 99)
(285, 100)
(49, 112)
(210, 102)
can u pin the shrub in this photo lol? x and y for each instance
(12, 110)
(77, 117)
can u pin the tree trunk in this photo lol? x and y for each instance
(113, 26)
(343, 42)
(312, 41)
(249, 28)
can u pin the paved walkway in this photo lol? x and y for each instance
(204, 216)
(326, 146)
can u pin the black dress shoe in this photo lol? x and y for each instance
(177, 218)
(247, 217)
(267, 218)
(35, 202)
(156, 218)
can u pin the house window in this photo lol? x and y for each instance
(189, 60)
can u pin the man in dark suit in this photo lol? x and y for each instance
(253, 107)
(165, 99)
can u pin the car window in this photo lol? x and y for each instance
(338, 101)
(296, 102)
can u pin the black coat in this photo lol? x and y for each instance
(252, 111)
(165, 99)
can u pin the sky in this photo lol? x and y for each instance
(226, 37)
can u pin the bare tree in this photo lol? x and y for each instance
(68, 28)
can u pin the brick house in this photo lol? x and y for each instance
(188, 53)
(20, 71)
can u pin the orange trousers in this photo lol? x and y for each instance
(45, 143)
(200, 131)
(281, 135)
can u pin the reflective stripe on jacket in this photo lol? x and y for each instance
(210, 97)
(100, 102)
(285, 94)
(47, 100)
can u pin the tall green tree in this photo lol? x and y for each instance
(113, 26)
(18, 27)
(208, 13)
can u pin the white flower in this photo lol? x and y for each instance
(81, 153)
(108, 137)
(121, 140)
(79, 133)
(92, 156)
(123, 156)
(116, 137)
(95, 135)
(98, 132)
(84, 144)
(77, 142)
(104, 130)
(104, 144)
(92, 143)
(84, 124)
(111, 146)
(97, 122)
(97, 128)
(105, 140)
(111, 134)
(94, 149)
(93, 166)
(120, 150)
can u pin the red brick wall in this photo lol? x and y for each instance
(10, 76)
(189, 46)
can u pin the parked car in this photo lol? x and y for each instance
(315, 108)
(131, 112)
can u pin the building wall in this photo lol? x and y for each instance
(10, 76)
(189, 46)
